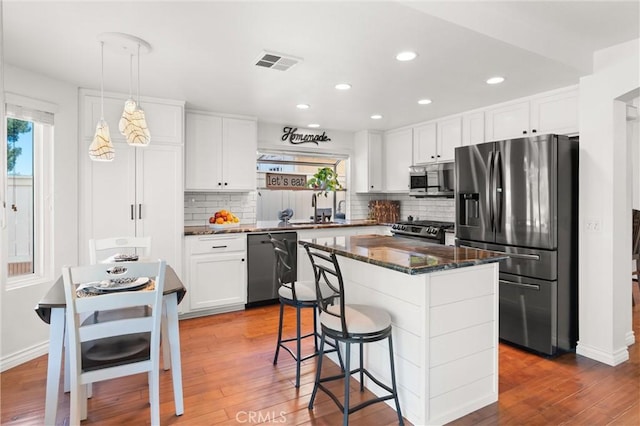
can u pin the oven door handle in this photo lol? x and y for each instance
(513, 255)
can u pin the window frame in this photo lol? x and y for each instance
(43, 191)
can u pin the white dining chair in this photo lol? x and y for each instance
(112, 246)
(115, 346)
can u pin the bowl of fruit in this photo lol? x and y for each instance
(223, 219)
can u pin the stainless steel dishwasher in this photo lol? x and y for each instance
(262, 282)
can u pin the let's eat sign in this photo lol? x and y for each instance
(286, 181)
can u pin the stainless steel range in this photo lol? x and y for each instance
(426, 230)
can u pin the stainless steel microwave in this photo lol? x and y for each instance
(432, 180)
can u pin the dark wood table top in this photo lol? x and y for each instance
(55, 296)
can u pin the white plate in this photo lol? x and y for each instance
(117, 285)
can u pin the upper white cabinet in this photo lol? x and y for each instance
(367, 162)
(397, 159)
(556, 113)
(140, 192)
(425, 143)
(220, 153)
(551, 112)
(449, 138)
(473, 128)
(508, 121)
(436, 141)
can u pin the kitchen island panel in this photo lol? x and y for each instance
(432, 313)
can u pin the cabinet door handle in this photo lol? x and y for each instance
(534, 131)
(132, 214)
(433, 156)
(225, 184)
(524, 132)
(371, 186)
(219, 246)
(243, 259)
(140, 211)
(438, 155)
(219, 183)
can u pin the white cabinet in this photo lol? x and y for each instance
(449, 138)
(436, 141)
(550, 112)
(216, 273)
(555, 113)
(397, 159)
(220, 153)
(473, 128)
(508, 121)
(425, 143)
(139, 193)
(367, 162)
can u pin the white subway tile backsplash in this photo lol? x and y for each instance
(198, 207)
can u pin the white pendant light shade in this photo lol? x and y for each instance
(101, 148)
(136, 131)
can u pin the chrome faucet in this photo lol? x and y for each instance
(314, 204)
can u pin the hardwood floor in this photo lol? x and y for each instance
(229, 379)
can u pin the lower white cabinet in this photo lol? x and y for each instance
(216, 274)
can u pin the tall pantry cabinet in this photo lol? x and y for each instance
(140, 192)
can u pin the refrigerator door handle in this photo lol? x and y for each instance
(490, 189)
(527, 286)
(497, 191)
(513, 255)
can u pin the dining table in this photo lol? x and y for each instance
(52, 310)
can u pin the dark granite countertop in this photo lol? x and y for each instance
(267, 226)
(403, 254)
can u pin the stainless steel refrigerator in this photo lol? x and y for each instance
(520, 196)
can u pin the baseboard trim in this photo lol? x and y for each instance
(630, 338)
(25, 355)
(610, 358)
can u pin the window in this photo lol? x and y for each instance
(29, 186)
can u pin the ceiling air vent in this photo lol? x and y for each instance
(277, 61)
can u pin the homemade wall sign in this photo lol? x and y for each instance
(286, 181)
(289, 133)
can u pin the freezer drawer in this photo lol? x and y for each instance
(528, 313)
(534, 263)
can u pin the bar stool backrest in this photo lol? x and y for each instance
(285, 269)
(326, 271)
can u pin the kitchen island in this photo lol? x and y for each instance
(443, 302)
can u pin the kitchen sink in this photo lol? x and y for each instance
(309, 222)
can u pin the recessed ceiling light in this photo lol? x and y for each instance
(376, 116)
(302, 106)
(495, 80)
(424, 101)
(313, 125)
(406, 56)
(343, 86)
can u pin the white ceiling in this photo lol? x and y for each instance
(204, 52)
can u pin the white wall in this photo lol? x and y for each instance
(22, 334)
(605, 328)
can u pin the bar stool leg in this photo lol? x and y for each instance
(393, 382)
(298, 346)
(347, 379)
(275, 358)
(361, 367)
(318, 372)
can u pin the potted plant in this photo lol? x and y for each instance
(324, 180)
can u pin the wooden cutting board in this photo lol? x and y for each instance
(384, 211)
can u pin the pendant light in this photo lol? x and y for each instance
(129, 104)
(136, 131)
(101, 148)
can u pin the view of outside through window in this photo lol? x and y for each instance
(20, 194)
